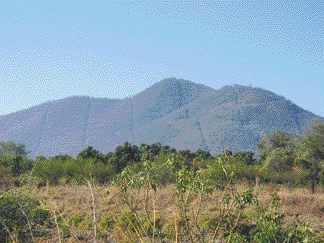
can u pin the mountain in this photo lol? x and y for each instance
(175, 112)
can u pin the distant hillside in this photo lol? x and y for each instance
(175, 112)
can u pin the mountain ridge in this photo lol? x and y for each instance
(129, 97)
(176, 112)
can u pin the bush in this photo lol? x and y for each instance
(270, 226)
(54, 170)
(49, 170)
(103, 173)
(5, 176)
(20, 217)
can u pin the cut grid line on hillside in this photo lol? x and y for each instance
(86, 124)
(42, 129)
(203, 139)
(132, 121)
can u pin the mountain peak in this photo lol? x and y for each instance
(178, 82)
(175, 87)
(173, 80)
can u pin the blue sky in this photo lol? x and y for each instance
(54, 49)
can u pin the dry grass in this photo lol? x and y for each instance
(68, 201)
(299, 201)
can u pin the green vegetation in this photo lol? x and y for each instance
(142, 177)
(21, 218)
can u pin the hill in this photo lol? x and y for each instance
(176, 112)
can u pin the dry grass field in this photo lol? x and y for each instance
(73, 205)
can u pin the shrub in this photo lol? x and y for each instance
(48, 170)
(72, 170)
(20, 217)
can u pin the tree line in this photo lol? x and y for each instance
(282, 158)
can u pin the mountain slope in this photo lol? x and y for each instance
(176, 112)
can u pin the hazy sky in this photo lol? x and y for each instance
(54, 49)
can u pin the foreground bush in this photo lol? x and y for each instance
(21, 218)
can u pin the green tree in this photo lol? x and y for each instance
(275, 140)
(13, 157)
(12, 149)
(247, 157)
(124, 155)
(310, 153)
(91, 153)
